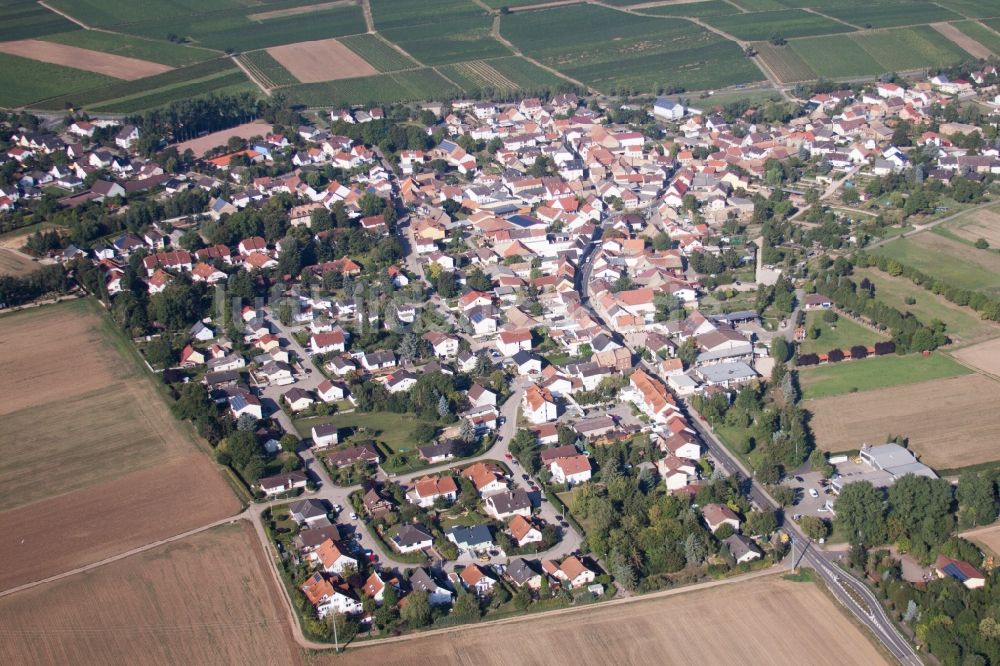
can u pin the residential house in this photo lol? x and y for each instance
(477, 580)
(717, 515)
(412, 538)
(473, 539)
(324, 435)
(282, 483)
(332, 559)
(308, 511)
(437, 595)
(428, 489)
(538, 405)
(742, 549)
(570, 470)
(508, 503)
(365, 454)
(523, 530)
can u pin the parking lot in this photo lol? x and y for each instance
(806, 504)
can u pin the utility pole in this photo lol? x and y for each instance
(336, 641)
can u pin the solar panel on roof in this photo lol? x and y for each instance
(955, 572)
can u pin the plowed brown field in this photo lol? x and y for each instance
(204, 600)
(762, 621)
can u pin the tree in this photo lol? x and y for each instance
(466, 607)
(388, 614)
(814, 528)
(977, 499)
(861, 513)
(694, 550)
(920, 511)
(466, 432)
(443, 407)
(761, 523)
(289, 443)
(246, 423)
(688, 351)
(780, 349)
(982, 243)
(417, 612)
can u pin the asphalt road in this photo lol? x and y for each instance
(845, 587)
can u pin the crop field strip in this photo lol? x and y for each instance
(786, 64)
(163, 52)
(982, 34)
(704, 9)
(606, 49)
(26, 19)
(378, 53)
(440, 32)
(407, 86)
(267, 70)
(788, 23)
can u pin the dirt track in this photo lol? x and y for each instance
(119, 67)
(323, 60)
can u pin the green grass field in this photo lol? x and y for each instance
(26, 19)
(393, 430)
(409, 86)
(981, 34)
(167, 53)
(887, 15)
(786, 64)
(226, 83)
(760, 5)
(973, 8)
(874, 373)
(164, 83)
(378, 53)
(106, 13)
(962, 324)
(947, 260)
(704, 9)
(788, 23)
(842, 334)
(24, 82)
(609, 49)
(910, 48)
(835, 57)
(438, 32)
(267, 70)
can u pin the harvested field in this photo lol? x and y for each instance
(89, 449)
(987, 537)
(72, 530)
(203, 144)
(983, 223)
(297, 11)
(754, 615)
(934, 415)
(13, 262)
(323, 60)
(967, 43)
(207, 599)
(985, 356)
(119, 67)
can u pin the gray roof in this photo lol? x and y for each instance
(727, 372)
(508, 501)
(521, 571)
(471, 536)
(307, 508)
(739, 545)
(410, 535)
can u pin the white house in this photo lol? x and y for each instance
(571, 469)
(538, 405)
(325, 435)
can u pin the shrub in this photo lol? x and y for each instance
(835, 356)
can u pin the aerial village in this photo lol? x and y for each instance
(436, 355)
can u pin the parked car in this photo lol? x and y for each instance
(813, 493)
(354, 516)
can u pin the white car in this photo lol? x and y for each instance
(354, 516)
(813, 493)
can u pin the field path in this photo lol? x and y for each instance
(966, 43)
(65, 16)
(495, 31)
(122, 556)
(264, 89)
(366, 9)
(831, 18)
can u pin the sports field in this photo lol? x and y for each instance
(89, 447)
(205, 599)
(934, 415)
(875, 373)
(752, 616)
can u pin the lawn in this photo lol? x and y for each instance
(948, 260)
(24, 81)
(963, 325)
(875, 373)
(167, 53)
(788, 23)
(842, 334)
(395, 431)
(608, 49)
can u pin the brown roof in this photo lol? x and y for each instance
(432, 486)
